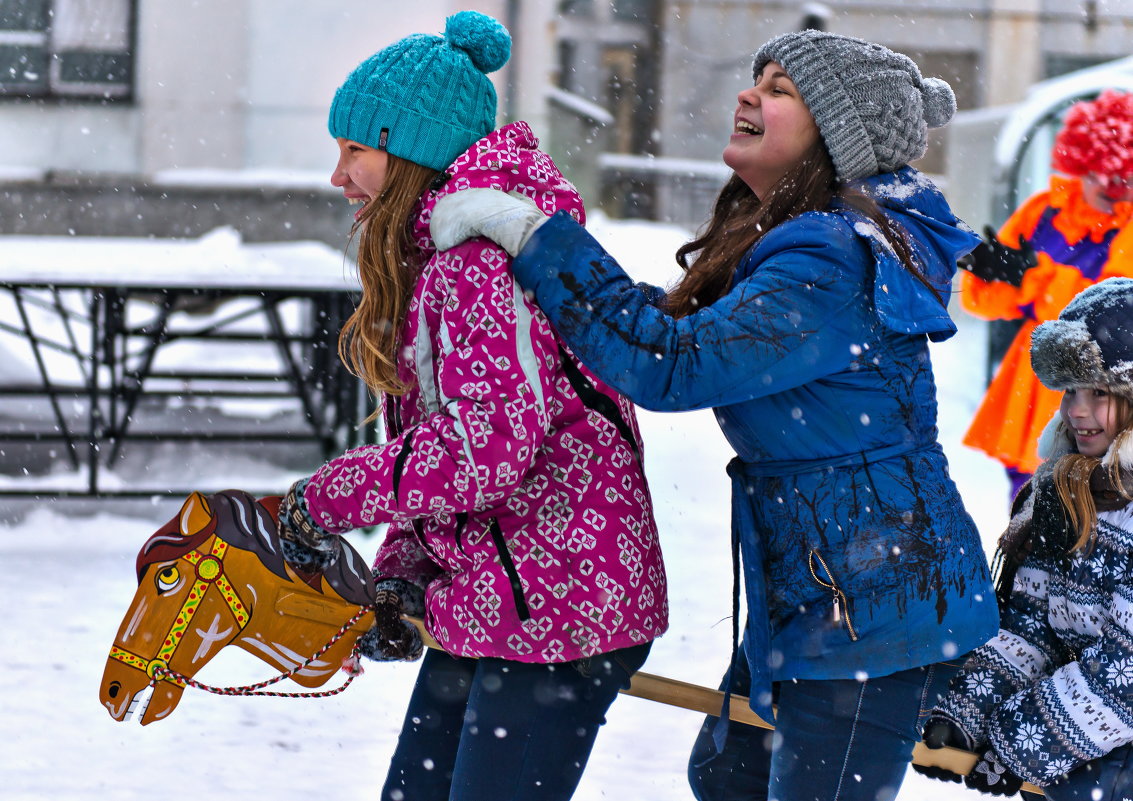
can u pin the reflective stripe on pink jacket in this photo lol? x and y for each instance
(512, 478)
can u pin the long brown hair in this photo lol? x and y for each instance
(388, 264)
(739, 219)
(1072, 474)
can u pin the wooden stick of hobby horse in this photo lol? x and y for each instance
(708, 701)
(674, 693)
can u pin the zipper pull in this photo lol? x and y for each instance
(837, 609)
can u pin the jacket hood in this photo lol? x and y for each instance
(938, 237)
(507, 159)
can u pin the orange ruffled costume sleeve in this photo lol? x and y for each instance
(1017, 406)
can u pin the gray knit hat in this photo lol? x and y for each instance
(1091, 342)
(871, 104)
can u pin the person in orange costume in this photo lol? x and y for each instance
(1073, 235)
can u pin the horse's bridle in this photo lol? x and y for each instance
(210, 573)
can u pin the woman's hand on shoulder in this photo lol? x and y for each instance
(507, 218)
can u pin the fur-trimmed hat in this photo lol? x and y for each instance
(1091, 342)
(871, 104)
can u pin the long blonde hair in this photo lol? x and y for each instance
(388, 265)
(1072, 474)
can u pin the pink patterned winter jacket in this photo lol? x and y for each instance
(512, 477)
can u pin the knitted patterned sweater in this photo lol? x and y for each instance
(1054, 690)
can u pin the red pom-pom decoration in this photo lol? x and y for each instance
(1097, 137)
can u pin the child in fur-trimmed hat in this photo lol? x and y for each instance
(1048, 700)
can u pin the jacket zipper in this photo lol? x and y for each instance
(509, 568)
(841, 603)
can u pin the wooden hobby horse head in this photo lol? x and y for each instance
(214, 575)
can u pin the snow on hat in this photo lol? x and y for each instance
(872, 107)
(425, 98)
(1091, 342)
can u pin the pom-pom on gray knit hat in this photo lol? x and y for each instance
(872, 107)
(1091, 342)
(425, 98)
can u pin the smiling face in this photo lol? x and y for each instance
(772, 130)
(360, 172)
(1091, 415)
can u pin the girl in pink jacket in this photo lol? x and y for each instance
(520, 521)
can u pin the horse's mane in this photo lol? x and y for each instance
(242, 522)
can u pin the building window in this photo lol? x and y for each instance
(634, 10)
(1055, 64)
(568, 63)
(67, 48)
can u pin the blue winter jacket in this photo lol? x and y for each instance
(858, 555)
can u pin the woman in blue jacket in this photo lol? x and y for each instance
(803, 320)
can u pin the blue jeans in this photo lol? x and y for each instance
(495, 730)
(1108, 778)
(835, 739)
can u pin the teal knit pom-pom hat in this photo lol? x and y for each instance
(425, 98)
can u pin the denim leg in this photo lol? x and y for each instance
(741, 771)
(423, 760)
(835, 740)
(529, 729)
(1108, 778)
(848, 740)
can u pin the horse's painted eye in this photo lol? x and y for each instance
(167, 579)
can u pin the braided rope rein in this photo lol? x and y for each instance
(351, 666)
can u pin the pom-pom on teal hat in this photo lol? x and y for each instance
(425, 98)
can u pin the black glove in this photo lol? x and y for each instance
(391, 639)
(994, 261)
(938, 733)
(305, 546)
(992, 777)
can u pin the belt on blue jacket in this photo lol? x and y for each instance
(794, 467)
(757, 637)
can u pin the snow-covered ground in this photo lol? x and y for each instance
(67, 576)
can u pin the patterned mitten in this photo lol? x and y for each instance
(391, 639)
(305, 546)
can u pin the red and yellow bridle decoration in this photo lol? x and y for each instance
(209, 573)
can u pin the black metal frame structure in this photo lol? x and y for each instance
(94, 411)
